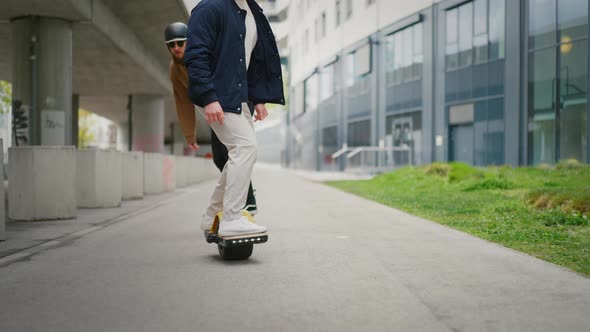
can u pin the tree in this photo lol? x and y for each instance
(5, 96)
(86, 122)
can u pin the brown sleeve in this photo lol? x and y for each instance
(184, 109)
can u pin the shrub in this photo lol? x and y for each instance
(440, 169)
(544, 166)
(556, 217)
(568, 201)
(462, 171)
(569, 164)
(490, 184)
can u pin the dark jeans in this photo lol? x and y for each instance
(220, 157)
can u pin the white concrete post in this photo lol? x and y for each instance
(169, 172)
(42, 182)
(132, 175)
(153, 182)
(99, 178)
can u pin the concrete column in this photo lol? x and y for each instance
(74, 123)
(147, 113)
(123, 137)
(2, 196)
(42, 75)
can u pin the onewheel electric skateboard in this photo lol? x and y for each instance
(235, 247)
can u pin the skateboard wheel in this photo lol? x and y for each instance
(235, 253)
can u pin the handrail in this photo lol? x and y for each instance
(375, 148)
(339, 152)
(354, 152)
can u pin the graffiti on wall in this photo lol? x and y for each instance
(20, 123)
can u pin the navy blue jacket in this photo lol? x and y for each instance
(215, 57)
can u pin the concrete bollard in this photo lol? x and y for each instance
(132, 175)
(42, 182)
(99, 178)
(2, 202)
(180, 171)
(199, 170)
(191, 177)
(153, 182)
(169, 172)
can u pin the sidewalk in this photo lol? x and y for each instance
(28, 238)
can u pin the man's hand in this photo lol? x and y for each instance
(261, 112)
(214, 113)
(194, 146)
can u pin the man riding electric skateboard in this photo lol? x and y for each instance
(231, 57)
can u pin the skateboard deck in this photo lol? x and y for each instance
(234, 247)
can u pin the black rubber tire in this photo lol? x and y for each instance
(235, 253)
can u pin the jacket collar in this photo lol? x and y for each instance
(252, 3)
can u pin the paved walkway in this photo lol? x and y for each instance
(30, 237)
(334, 262)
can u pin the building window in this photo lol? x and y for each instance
(306, 41)
(475, 33)
(558, 80)
(323, 34)
(480, 31)
(452, 34)
(497, 28)
(311, 93)
(317, 30)
(301, 9)
(328, 83)
(349, 70)
(404, 55)
(359, 133)
(298, 100)
(362, 60)
(349, 4)
(465, 35)
(357, 64)
(338, 12)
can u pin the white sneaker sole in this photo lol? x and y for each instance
(239, 233)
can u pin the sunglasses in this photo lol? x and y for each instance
(180, 43)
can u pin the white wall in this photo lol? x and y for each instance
(363, 22)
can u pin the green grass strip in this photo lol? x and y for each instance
(543, 211)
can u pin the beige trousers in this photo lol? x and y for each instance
(237, 134)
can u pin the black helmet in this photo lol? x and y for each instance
(175, 31)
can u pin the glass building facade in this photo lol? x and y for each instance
(474, 81)
(486, 82)
(557, 51)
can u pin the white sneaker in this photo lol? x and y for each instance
(241, 226)
(206, 222)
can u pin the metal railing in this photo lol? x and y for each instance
(371, 159)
